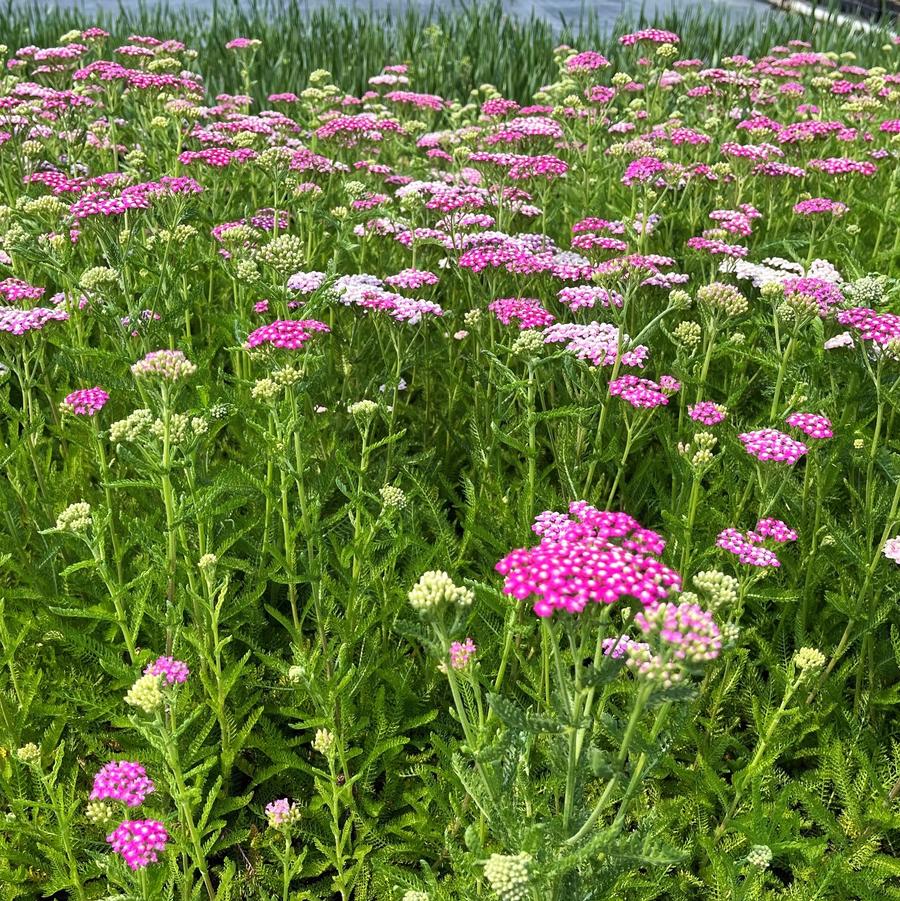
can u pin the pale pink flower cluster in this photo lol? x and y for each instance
(282, 813)
(616, 648)
(772, 445)
(411, 279)
(306, 282)
(812, 424)
(170, 365)
(578, 297)
(891, 549)
(597, 342)
(745, 546)
(689, 630)
(461, 653)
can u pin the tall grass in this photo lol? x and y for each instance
(454, 46)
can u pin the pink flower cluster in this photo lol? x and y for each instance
(122, 780)
(170, 670)
(812, 424)
(826, 294)
(771, 445)
(289, 334)
(86, 401)
(774, 529)
(616, 648)
(707, 412)
(715, 247)
(411, 279)
(597, 341)
(746, 548)
(461, 653)
(880, 328)
(139, 842)
(14, 289)
(816, 205)
(652, 35)
(578, 297)
(591, 556)
(643, 393)
(528, 311)
(587, 61)
(689, 630)
(18, 322)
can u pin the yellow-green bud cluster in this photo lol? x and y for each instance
(436, 589)
(507, 875)
(146, 694)
(75, 518)
(720, 589)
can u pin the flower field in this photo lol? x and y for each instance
(421, 497)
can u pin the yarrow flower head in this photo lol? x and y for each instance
(507, 875)
(75, 518)
(772, 445)
(85, 401)
(774, 529)
(461, 653)
(643, 393)
(139, 842)
(435, 589)
(123, 781)
(689, 631)
(590, 556)
(891, 549)
(809, 660)
(289, 334)
(812, 424)
(169, 365)
(282, 814)
(170, 670)
(707, 412)
(146, 693)
(745, 546)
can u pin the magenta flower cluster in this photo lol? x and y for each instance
(139, 842)
(288, 334)
(588, 557)
(814, 425)
(771, 445)
(170, 670)
(124, 781)
(707, 412)
(528, 312)
(86, 401)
